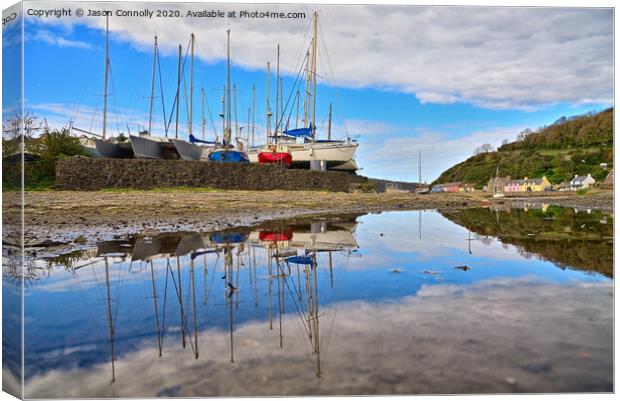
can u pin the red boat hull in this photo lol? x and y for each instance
(275, 158)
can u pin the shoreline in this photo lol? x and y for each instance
(76, 219)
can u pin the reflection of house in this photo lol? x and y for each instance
(497, 184)
(581, 182)
(447, 187)
(528, 185)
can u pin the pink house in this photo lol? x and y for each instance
(513, 186)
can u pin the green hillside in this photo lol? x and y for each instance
(575, 145)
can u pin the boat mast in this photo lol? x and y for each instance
(223, 113)
(314, 36)
(329, 123)
(235, 107)
(268, 132)
(297, 115)
(204, 121)
(105, 75)
(176, 125)
(247, 128)
(281, 103)
(277, 92)
(253, 110)
(420, 167)
(152, 86)
(228, 102)
(307, 91)
(191, 85)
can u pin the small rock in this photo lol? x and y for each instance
(511, 380)
(80, 240)
(430, 272)
(464, 268)
(396, 270)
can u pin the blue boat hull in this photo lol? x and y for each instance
(228, 156)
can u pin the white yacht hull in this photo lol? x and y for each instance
(113, 150)
(339, 156)
(190, 151)
(153, 148)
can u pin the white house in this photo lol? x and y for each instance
(581, 181)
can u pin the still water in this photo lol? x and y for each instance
(474, 301)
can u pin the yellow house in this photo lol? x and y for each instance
(535, 184)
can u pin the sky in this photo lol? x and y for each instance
(402, 79)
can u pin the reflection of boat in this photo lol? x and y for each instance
(228, 237)
(160, 246)
(275, 235)
(318, 236)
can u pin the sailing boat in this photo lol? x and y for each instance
(313, 152)
(497, 192)
(108, 147)
(195, 149)
(275, 153)
(227, 153)
(152, 147)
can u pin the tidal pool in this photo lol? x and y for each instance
(471, 301)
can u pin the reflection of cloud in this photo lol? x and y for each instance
(488, 337)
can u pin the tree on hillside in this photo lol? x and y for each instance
(524, 134)
(486, 148)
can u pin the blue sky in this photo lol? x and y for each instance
(443, 80)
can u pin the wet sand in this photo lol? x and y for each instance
(83, 218)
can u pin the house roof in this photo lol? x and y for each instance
(535, 181)
(580, 179)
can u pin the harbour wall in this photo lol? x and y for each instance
(84, 173)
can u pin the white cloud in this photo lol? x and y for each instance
(53, 39)
(489, 56)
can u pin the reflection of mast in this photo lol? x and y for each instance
(110, 321)
(313, 312)
(269, 257)
(280, 299)
(191, 270)
(156, 309)
(420, 224)
(180, 294)
(331, 270)
(205, 271)
(228, 262)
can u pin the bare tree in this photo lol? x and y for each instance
(485, 148)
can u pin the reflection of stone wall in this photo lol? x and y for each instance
(81, 173)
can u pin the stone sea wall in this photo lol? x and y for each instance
(84, 173)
